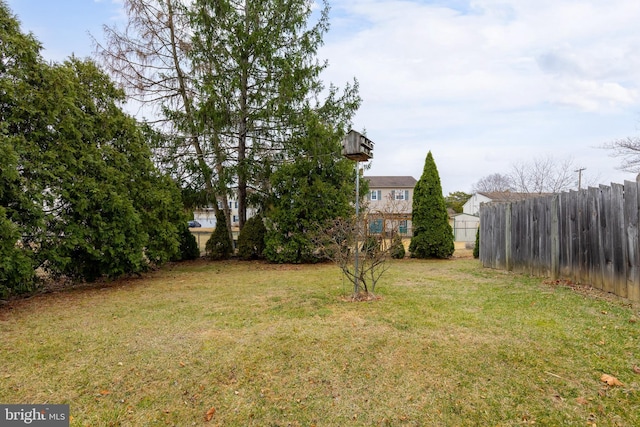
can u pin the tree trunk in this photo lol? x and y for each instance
(194, 137)
(242, 131)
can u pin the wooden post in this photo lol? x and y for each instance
(619, 260)
(555, 245)
(507, 238)
(632, 207)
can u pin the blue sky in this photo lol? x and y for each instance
(63, 26)
(483, 84)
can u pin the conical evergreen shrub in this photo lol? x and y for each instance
(251, 239)
(432, 234)
(218, 246)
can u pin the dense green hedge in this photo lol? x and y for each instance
(79, 194)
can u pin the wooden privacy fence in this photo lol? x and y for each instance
(588, 236)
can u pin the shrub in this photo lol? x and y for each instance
(16, 266)
(370, 245)
(315, 187)
(251, 239)
(432, 234)
(397, 247)
(188, 245)
(476, 248)
(218, 246)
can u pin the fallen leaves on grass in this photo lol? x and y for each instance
(582, 401)
(636, 369)
(210, 414)
(610, 380)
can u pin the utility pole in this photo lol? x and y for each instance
(580, 177)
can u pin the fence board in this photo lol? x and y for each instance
(554, 236)
(571, 237)
(632, 207)
(619, 247)
(605, 239)
(583, 235)
(593, 239)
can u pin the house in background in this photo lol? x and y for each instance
(472, 207)
(207, 216)
(390, 203)
(207, 219)
(466, 223)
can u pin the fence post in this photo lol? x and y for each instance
(632, 208)
(507, 238)
(555, 245)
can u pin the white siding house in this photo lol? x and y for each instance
(472, 206)
(464, 222)
(207, 216)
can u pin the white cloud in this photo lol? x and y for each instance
(485, 82)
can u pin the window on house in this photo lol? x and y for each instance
(402, 227)
(400, 194)
(397, 194)
(375, 195)
(235, 218)
(236, 204)
(375, 226)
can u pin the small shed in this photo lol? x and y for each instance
(357, 147)
(465, 227)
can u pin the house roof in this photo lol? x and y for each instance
(391, 181)
(464, 215)
(510, 196)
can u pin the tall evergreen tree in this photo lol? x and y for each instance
(149, 57)
(257, 71)
(231, 78)
(432, 234)
(315, 186)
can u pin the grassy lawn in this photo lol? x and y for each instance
(448, 344)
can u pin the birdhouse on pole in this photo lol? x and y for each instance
(357, 147)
